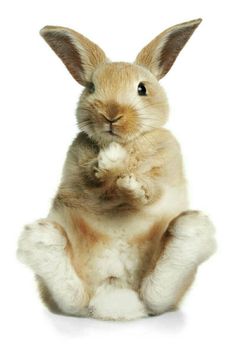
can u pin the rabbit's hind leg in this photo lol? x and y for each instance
(189, 241)
(43, 247)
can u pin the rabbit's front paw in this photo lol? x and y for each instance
(41, 245)
(130, 184)
(111, 158)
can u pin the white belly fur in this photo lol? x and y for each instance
(118, 258)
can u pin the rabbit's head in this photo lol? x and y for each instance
(120, 100)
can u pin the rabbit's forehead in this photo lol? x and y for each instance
(120, 74)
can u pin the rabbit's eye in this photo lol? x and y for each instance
(91, 87)
(142, 89)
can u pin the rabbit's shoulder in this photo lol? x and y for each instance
(158, 142)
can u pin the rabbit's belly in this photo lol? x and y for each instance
(125, 252)
(132, 240)
(121, 248)
(118, 262)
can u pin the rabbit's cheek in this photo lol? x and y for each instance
(128, 127)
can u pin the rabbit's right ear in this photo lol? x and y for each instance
(79, 54)
(160, 54)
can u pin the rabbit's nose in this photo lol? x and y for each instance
(112, 120)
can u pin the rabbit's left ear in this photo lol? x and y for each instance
(160, 54)
(80, 55)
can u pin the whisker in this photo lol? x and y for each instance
(144, 136)
(157, 104)
(147, 125)
(86, 110)
(84, 124)
(147, 118)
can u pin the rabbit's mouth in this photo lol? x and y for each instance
(112, 133)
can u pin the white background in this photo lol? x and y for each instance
(38, 99)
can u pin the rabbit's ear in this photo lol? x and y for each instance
(79, 54)
(160, 54)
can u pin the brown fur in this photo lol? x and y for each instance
(151, 245)
(76, 192)
(67, 43)
(156, 231)
(166, 47)
(122, 115)
(153, 154)
(85, 241)
(87, 233)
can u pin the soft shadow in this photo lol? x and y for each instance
(169, 323)
(76, 326)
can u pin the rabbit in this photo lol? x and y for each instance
(119, 242)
